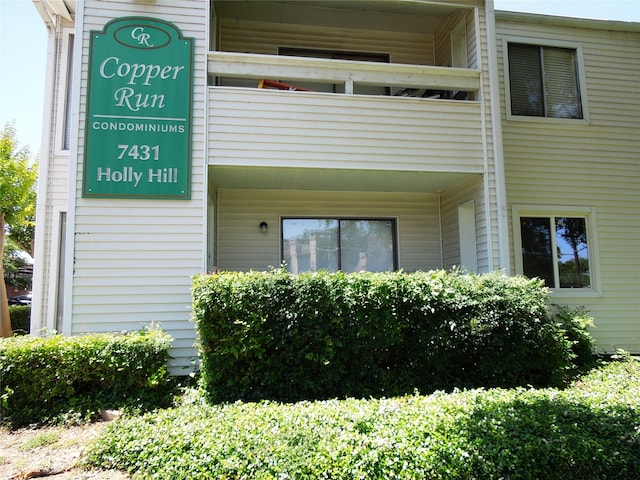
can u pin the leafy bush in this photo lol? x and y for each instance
(575, 324)
(586, 432)
(20, 319)
(322, 335)
(44, 379)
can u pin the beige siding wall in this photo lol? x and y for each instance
(263, 37)
(288, 129)
(483, 189)
(241, 245)
(592, 164)
(133, 258)
(443, 39)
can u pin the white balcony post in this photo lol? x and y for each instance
(348, 86)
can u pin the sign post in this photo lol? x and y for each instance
(139, 104)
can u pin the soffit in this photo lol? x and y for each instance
(408, 15)
(51, 8)
(538, 19)
(279, 178)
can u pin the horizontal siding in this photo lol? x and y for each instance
(53, 185)
(611, 63)
(264, 37)
(269, 128)
(594, 164)
(56, 193)
(133, 259)
(241, 245)
(488, 239)
(443, 38)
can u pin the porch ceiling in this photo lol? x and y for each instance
(404, 15)
(411, 7)
(276, 178)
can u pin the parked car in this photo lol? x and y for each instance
(21, 299)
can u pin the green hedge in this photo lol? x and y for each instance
(320, 335)
(20, 319)
(46, 379)
(588, 431)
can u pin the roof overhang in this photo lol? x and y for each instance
(535, 18)
(49, 9)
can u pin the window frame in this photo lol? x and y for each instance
(580, 71)
(64, 128)
(394, 232)
(589, 214)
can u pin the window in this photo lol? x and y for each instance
(350, 245)
(556, 249)
(66, 140)
(544, 81)
(359, 89)
(62, 251)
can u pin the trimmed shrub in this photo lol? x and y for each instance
(44, 379)
(588, 431)
(322, 335)
(20, 319)
(575, 324)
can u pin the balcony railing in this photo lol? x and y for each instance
(349, 73)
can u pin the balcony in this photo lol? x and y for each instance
(399, 78)
(293, 88)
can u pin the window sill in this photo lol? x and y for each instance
(574, 293)
(552, 120)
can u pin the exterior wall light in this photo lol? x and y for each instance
(263, 227)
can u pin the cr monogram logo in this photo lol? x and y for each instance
(142, 37)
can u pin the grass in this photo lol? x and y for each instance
(42, 440)
(590, 430)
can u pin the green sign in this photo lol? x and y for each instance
(138, 124)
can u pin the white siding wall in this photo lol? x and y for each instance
(133, 258)
(596, 164)
(241, 245)
(289, 129)
(53, 183)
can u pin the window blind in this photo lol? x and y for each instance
(543, 81)
(525, 80)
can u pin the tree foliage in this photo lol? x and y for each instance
(18, 174)
(13, 263)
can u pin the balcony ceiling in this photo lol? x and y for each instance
(381, 6)
(392, 15)
(276, 178)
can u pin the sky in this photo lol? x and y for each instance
(23, 50)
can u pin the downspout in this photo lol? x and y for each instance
(486, 184)
(498, 151)
(206, 227)
(439, 194)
